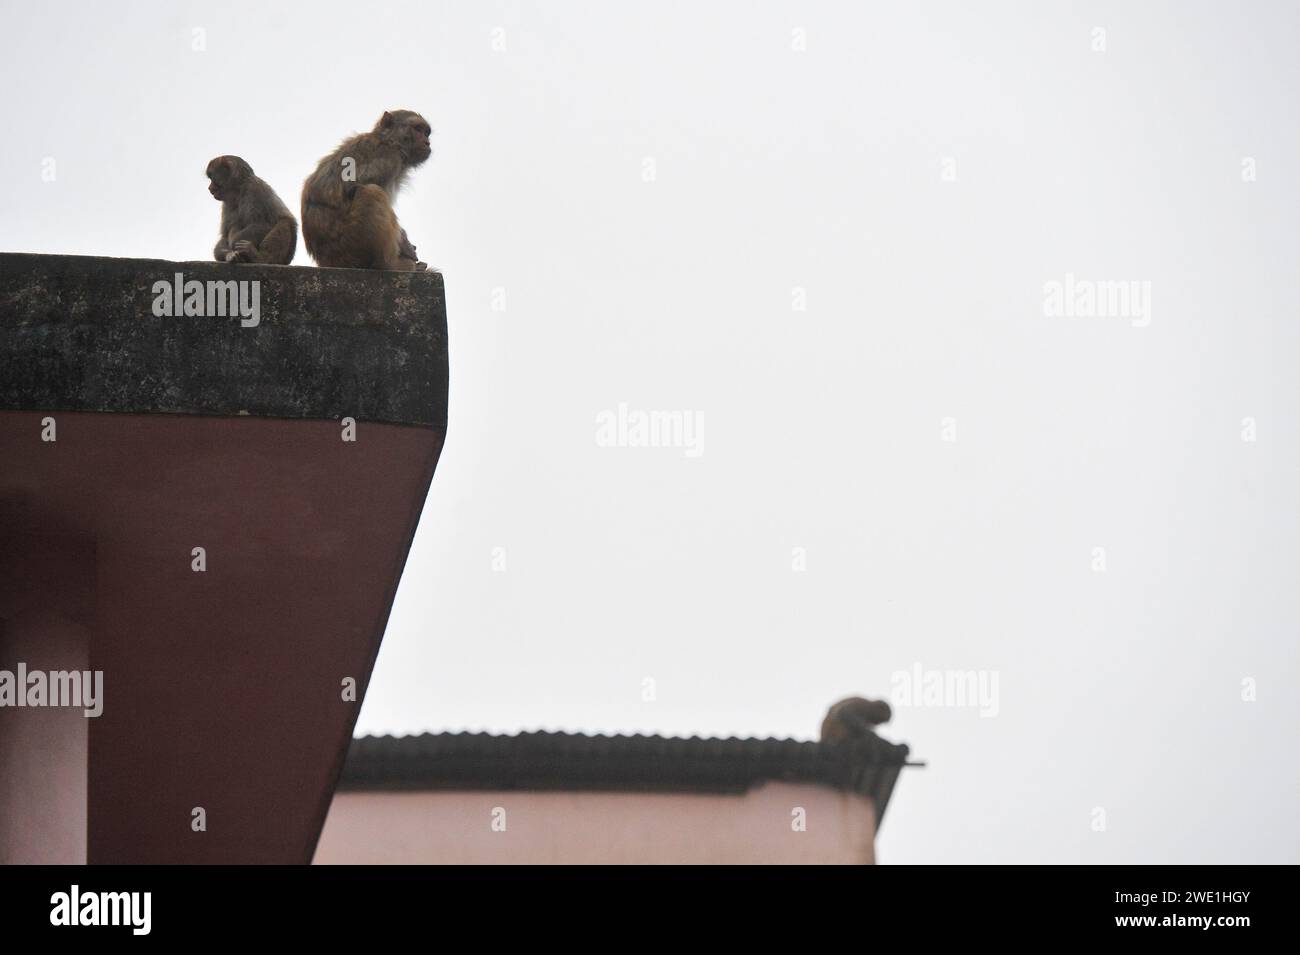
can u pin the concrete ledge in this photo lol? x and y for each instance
(80, 333)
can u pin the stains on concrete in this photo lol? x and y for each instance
(81, 333)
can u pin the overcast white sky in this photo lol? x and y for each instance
(920, 171)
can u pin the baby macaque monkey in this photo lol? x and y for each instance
(854, 718)
(347, 203)
(255, 225)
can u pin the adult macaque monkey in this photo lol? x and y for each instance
(347, 203)
(255, 225)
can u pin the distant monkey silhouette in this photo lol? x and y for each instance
(854, 718)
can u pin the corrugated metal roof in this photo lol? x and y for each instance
(576, 761)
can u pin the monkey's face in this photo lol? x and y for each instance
(216, 187)
(421, 140)
(411, 132)
(225, 175)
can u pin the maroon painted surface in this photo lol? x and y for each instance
(46, 608)
(222, 689)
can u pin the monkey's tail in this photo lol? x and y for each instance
(280, 243)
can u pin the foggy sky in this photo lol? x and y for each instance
(630, 203)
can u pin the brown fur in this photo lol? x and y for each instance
(347, 207)
(854, 718)
(255, 225)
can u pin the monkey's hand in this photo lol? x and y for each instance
(243, 251)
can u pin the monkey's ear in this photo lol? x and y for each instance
(387, 119)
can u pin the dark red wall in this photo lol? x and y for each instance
(223, 688)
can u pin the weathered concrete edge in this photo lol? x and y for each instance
(80, 333)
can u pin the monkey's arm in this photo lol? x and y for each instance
(407, 250)
(222, 251)
(406, 253)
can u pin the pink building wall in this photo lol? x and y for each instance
(546, 827)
